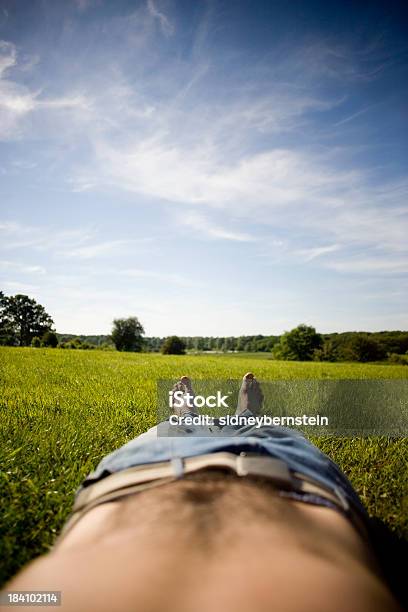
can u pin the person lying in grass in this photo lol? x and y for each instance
(196, 518)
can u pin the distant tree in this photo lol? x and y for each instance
(173, 346)
(87, 346)
(391, 342)
(73, 343)
(229, 344)
(265, 344)
(21, 318)
(327, 351)
(127, 334)
(241, 343)
(107, 346)
(362, 348)
(49, 339)
(199, 343)
(189, 342)
(398, 359)
(36, 342)
(219, 343)
(298, 344)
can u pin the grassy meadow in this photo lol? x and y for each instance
(61, 411)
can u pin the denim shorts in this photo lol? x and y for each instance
(163, 443)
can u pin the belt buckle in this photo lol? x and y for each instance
(268, 467)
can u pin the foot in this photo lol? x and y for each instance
(250, 395)
(183, 401)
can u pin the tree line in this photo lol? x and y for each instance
(24, 322)
(303, 343)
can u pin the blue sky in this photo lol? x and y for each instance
(215, 168)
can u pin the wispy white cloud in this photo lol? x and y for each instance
(23, 164)
(19, 287)
(202, 175)
(77, 101)
(14, 266)
(8, 56)
(82, 5)
(166, 25)
(374, 265)
(315, 252)
(351, 117)
(203, 227)
(79, 244)
(343, 60)
(90, 251)
(312, 193)
(17, 101)
(167, 277)
(41, 238)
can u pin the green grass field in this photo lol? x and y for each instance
(61, 411)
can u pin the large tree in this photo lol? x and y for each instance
(127, 334)
(21, 318)
(298, 344)
(7, 335)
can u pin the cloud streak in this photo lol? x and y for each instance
(165, 24)
(203, 227)
(21, 268)
(17, 102)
